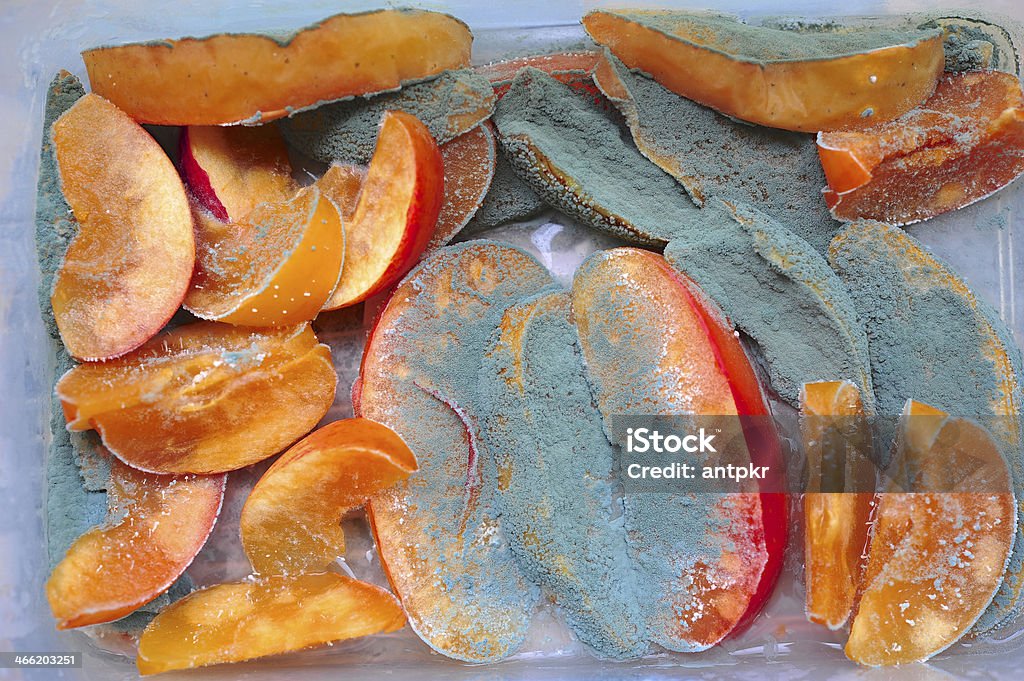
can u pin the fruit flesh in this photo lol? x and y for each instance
(469, 162)
(836, 522)
(572, 68)
(230, 170)
(938, 550)
(231, 78)
(155, 527)
(341, 183)
(204, 398)
(291, 521)
(961, 145)
(396, 213)
(127, 270)
(438, 531)
(771, 77)
(268, 616)
(276, 266)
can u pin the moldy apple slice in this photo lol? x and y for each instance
(776, 77)
(204, 398)
(839, 500)
(916, 309)
(939, 546)
(556, 474)
(575, 69)
(396, 213)
(155, 526)
(438, 531)
(232, 169)
(127, 270)
(964, 143)
(276, 266)
(264, 616)
(244, 77)
(291, 521)
(469, 162)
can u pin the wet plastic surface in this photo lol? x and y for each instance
(984, 242)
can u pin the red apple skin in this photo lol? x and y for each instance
(198, 180)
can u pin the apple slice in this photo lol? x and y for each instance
(204, 398)
(244, 77)
(230, 170)
(939, 548)
(126, 271)
(397, 210)
(341, 183)
(291, 521)
(961, 145)
(839, 503)
(575, 69)
(469, 162)
(776, 77)
(266, 616)
(438, 531)
(276, 266)
(155, 526)
(652, 346)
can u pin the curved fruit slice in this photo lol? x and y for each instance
(276, 266)
(838, 507)
(438, 531)
(155, 526)
(773, 77)
(916, 310)
(204, 398)
(268, 616)
(936, 557)
(230, 170)
(127, 270)
(652, 347)
(244, 77)
(972, 44)
(396, 213)
(291, 522)
(556, 471)
(963, 144)
(782, 293)
(345, 132)
(575, 69)
(712, 155)
(469, 162)
(574, 156)
(341, 183)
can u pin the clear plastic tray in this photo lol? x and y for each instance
(985, 242)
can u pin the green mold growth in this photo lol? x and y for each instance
(577, 159)
(775, 171)
(932, 340)
(556, 472)
(346, 132)
(509, 199)
(971, 44)
(55, 226)
(782, 293)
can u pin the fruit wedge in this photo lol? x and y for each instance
(938, 550)
(438, 531)
(291, 522)
(276, 266)
(396, 213)
(918, 312)
(712, 155)
(345, 132)
(574, 156)
(127, 269)
(775, 77)
(244, 77)
(204, 398)
(230, 170)
(963, 144)
(469, 162)
(839, 503)
(556, 474)
(782, 293)
(266, 616)
(652, 345)
(155, 526)
(575, 69)
(341, 183)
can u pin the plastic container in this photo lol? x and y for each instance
(985, 242)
